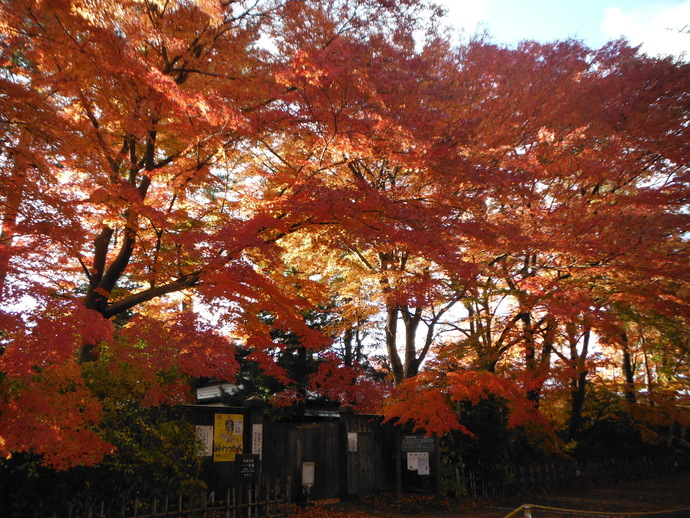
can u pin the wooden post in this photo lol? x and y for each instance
(253, 427)
(437, 462)
(287, 496)
(252, 442)
(346, 415)
(398, 462)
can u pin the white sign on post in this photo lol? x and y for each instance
(307, 474)
(418, 461)
(423, 463)
(412, 460)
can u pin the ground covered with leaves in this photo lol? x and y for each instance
(667, 497)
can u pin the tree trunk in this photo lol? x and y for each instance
(544, 363)
(537, 365)
(411, 321)
(392, 344)
(628, 371)
(530, 354)
(12, 202)
(347, 345)
(578, 385)
(649, 377)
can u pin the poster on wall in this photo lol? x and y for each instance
(308, 474)
(227, 437)
(257, 439)
(423, 464)
(418, 461)
(205, 436)
(352, 442)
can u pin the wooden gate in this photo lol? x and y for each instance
(287, 447)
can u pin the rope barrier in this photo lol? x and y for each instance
(527, 510)
(514, 512)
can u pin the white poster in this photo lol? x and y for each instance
(418, 461)
(423, 463)
(412, 460)
(205, 435)
(352, 442)
(308, 474)
(257, 439)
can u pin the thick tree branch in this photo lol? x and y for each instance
(126, 303)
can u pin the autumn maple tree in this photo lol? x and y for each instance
(134, 136)
(183, 180)
(587, 202)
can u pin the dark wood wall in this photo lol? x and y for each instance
(288, 446)
(219, 476)
(340, 468)
(371, 466)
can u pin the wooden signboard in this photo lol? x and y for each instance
(417, 443)
(248, 467)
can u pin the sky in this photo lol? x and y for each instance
(660, 26)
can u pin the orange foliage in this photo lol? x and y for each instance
(269, 161)
(349, 385)
(429, 400)
(54, 415)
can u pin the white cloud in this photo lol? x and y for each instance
(467, 15)
(659, 29)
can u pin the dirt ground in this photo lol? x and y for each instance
(667, 497)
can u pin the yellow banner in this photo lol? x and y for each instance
(227, 437)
